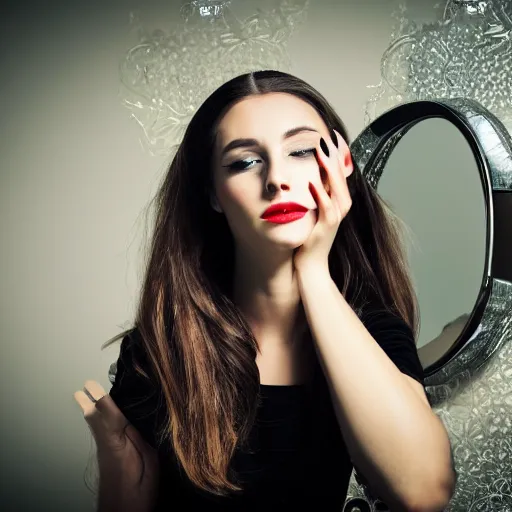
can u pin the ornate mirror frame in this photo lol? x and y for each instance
(478, 367)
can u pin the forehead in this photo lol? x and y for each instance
(266, 116)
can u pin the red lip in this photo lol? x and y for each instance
(283, 208)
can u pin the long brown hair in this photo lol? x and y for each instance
(201, 351)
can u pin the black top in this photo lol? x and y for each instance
(299, 459)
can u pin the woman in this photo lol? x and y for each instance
(273, 347)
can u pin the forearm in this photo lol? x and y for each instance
(393, 436)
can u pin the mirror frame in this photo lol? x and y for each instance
(491, 145)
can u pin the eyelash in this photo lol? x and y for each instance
(240, 164)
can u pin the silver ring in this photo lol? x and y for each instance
(86, 391)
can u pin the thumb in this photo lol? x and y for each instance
(134, 435)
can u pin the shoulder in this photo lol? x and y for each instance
(396, 338)
(385, 324)
(132, 357)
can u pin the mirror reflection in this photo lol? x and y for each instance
(432, 182)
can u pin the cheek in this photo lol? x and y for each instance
(314, 174)
(235, 196)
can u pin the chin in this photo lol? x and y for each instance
(290, 236)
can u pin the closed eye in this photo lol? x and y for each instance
(303, 153)
(242, 165)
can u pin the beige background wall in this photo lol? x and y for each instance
(73, 183)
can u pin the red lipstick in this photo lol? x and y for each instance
(282, 213)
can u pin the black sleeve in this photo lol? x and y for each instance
(133, 393)
(396, 338)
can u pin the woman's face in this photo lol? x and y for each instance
(264, 156)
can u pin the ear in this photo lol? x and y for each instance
(215, 203)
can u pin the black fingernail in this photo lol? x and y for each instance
(334, 138)
(324, 147)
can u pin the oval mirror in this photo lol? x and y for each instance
(433, 184)
(445, 167)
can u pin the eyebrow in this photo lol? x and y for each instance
(248, 143)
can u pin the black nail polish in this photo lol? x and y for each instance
(324, 147)
(334, 138)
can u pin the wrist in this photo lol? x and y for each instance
(312, 270)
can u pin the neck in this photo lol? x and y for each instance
(266, 291)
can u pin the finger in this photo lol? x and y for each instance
(84, 402)
(91, 393)
(329, 159)
(340, 144)
(341, 192)
(95, 389)
(344, 155)
(335, 175)
(347, 166)
(92, 416)
(322, 161)
(100, 411)
(326, 211)
(325, 156)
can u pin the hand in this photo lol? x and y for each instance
(333, 201)
(121, 448)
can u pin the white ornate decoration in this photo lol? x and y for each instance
(467, 53)
(168, 74)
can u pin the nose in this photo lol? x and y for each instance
(276, 179)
